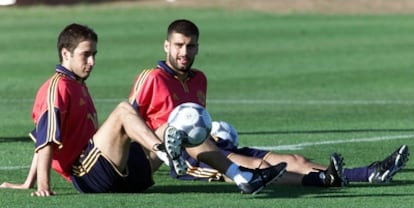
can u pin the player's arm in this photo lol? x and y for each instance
(40, 169)
(49, 103)
(30, 179)
(43, 171)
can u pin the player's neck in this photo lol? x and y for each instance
(182, 76)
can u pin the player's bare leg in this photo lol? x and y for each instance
(123, 125)
(288, 178)
(250, 180)
(209, 153)
(295, 163)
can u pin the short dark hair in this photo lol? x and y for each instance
(72, 35)
(183, 26)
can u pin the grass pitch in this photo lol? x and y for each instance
(322, 83)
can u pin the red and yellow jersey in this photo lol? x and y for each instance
(64, 114)
(156, 92)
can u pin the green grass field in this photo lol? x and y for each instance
(326, 83)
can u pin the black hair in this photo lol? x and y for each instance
(183, 26)
(72, 35)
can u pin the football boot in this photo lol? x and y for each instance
(334, 174)
(261, 178)
(384, 170)
(173, 147)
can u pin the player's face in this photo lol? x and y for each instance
(81, 60)
(181, 51)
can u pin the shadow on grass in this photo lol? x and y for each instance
(353, 195)
(226, 188)
(271, 192)
(407, 170)
(394, 183)
(15, 139)
(280, 191)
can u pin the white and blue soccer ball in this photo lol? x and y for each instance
(194, 120)
(225, 131)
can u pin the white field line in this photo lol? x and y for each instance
(14, 167)
(353, 140)
(314, 102)
(290, 146)
(259, 101)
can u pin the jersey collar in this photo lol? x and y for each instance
(61, 69)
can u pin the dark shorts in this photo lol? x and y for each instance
(205, 170)
(247, 151)
(228, 148)
(94, 173)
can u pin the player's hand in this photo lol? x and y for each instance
(14, 185)
(43, 193)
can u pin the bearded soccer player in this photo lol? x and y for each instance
(156, 92)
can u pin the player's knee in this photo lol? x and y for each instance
(124, 104)
(124, 108)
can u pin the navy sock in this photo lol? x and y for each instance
(312, 179)
(357, 174)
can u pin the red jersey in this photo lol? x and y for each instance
(64, 114)
(156, 92)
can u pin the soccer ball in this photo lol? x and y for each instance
(194, 120)
(225, 131)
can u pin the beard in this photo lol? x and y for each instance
(179, 67)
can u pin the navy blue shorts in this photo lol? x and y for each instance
(94, 173)
(228, 148)
(247, 151)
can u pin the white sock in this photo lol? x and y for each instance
(237, 175)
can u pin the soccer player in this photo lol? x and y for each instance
(300, 171)
(111, 158)
(158, 90)
(67, 138)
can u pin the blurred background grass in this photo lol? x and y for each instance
(278, 78)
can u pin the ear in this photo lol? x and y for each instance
(166, 46)
(65, 53)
